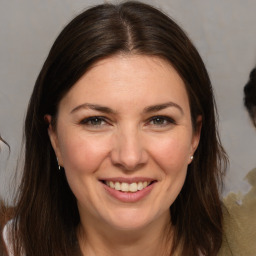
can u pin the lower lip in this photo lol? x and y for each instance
(129, 197)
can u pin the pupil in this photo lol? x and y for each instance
(159, 120)
(96, 121)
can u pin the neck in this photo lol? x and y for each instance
(155, 239)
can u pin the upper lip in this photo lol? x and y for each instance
(128, 180)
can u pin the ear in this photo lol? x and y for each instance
(54, 139)
(196, 136)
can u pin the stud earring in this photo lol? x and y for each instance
(192, 157)
(58, 164)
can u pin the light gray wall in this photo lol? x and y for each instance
(222, 30)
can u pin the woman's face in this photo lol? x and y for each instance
(124, 137)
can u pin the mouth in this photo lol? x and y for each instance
(131, 187)
(128, 190)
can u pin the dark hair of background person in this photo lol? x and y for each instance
(46, 213)
(250, 96)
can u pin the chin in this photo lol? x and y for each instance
(131, 220)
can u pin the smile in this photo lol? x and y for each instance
(128, 190)
(126, 187)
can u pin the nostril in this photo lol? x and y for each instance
(130, 168)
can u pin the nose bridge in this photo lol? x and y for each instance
(129, 151)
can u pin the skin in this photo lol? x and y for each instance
(129, 140)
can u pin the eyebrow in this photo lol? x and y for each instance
(159, 107)
(97, 107)
(108, 110)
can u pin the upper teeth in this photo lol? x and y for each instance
(126, 187)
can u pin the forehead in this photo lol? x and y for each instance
(129, 79)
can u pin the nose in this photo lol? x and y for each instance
(128, 151)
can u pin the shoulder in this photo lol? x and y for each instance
(240, 222)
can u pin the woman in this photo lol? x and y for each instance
(240, 226)
(122, 153)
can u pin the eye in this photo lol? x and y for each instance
(161, 121)
(94, 121)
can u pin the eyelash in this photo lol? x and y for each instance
(89, 121)
(168, 120)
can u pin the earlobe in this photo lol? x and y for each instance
(53, 138)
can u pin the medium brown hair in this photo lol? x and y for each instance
(6, 213)
(46, 213)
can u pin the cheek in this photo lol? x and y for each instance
(171, 154)
(83, 154)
